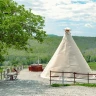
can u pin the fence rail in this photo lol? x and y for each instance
(75, 76)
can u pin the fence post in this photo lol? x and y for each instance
(62, 77)
(1, 75)
(8, 70)
(88, 78)
(74, 77)
(4, 74)
(50, 77)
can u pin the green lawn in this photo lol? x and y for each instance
(77, 84)
(92, 65)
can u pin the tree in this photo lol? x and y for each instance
(17, 26)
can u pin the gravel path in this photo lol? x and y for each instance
(31, 84)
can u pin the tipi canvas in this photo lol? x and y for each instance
(67, 58)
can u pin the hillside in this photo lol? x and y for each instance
(44, 51)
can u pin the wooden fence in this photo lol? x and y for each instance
(7, 70)
(75, 77)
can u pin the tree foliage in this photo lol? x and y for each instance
(17, 25)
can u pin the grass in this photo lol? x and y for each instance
(58, 85)
(92, 65)
(87, 85)
(77, 84)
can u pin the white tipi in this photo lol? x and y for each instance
(67, 58)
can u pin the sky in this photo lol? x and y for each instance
(78, 15)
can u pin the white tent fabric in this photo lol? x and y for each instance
(67, 58)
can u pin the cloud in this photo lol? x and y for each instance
(88, 25)
(67, 10)
(75, 10)
(77, 33)
(79, 15)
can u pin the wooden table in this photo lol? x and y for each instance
(12, 75)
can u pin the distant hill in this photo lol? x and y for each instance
(51, 35)
(44, 51)
(85, 43)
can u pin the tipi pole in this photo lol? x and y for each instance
(38, 60)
